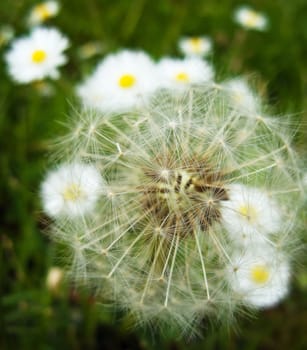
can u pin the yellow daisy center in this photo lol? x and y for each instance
(250, 213)
(42, 11)
(195, 44)
(252, 19)
(72, 193)
(260, 274)
(39, 56)
(182, 77)
(126, 81)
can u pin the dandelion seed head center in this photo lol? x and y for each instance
(260, 274)
(127, 81)
(248, 212)
(182, 200)
(39, 56)
(182, 77)
(72, 192)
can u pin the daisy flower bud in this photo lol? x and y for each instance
(71, 190)
(195, 46)
(180, 74)
(182, 190)
(250, 19)
(260, 276)
(122, 81)
(43, 11)
(37, 56)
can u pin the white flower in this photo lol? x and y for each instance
(43, 11)
(71, 190)
(37, 56)
(195, 46)
(260, 276)
(122, 81)
(241, 96)
(178, 74)
(250, 214)
(250, 19)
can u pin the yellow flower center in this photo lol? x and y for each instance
(72, 193)
(196, 44)
(39, 56)
(248, 212)
(126, 81)
(182, 77)
(42, 11)
(252, 19)
(260, 274)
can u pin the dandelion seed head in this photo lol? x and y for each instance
(194, 217)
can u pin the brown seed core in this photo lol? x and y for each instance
(183, 200)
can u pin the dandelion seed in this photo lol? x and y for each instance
(71, 190)
(195, 46)
(121, 81)
(193, 224)
(42, 12)
(37, 56)
(250, 19)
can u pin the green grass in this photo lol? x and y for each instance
(31, 316)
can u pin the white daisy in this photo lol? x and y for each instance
(260, 276)
(250, 19)
(250, 214)
(178, 74)
(195, 46)
(121, 82)
(241, 96)
(71, 190)
(37, 56)
(43, 11)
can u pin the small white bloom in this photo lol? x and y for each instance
(71, 190)
(249, 214)
(37, 56)
(195, 46)
(241, 96)
(121, 81)
(43, 11)
(260, 276)
(250, 19)
(178, 74)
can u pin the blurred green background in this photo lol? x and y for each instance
(34, 316)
